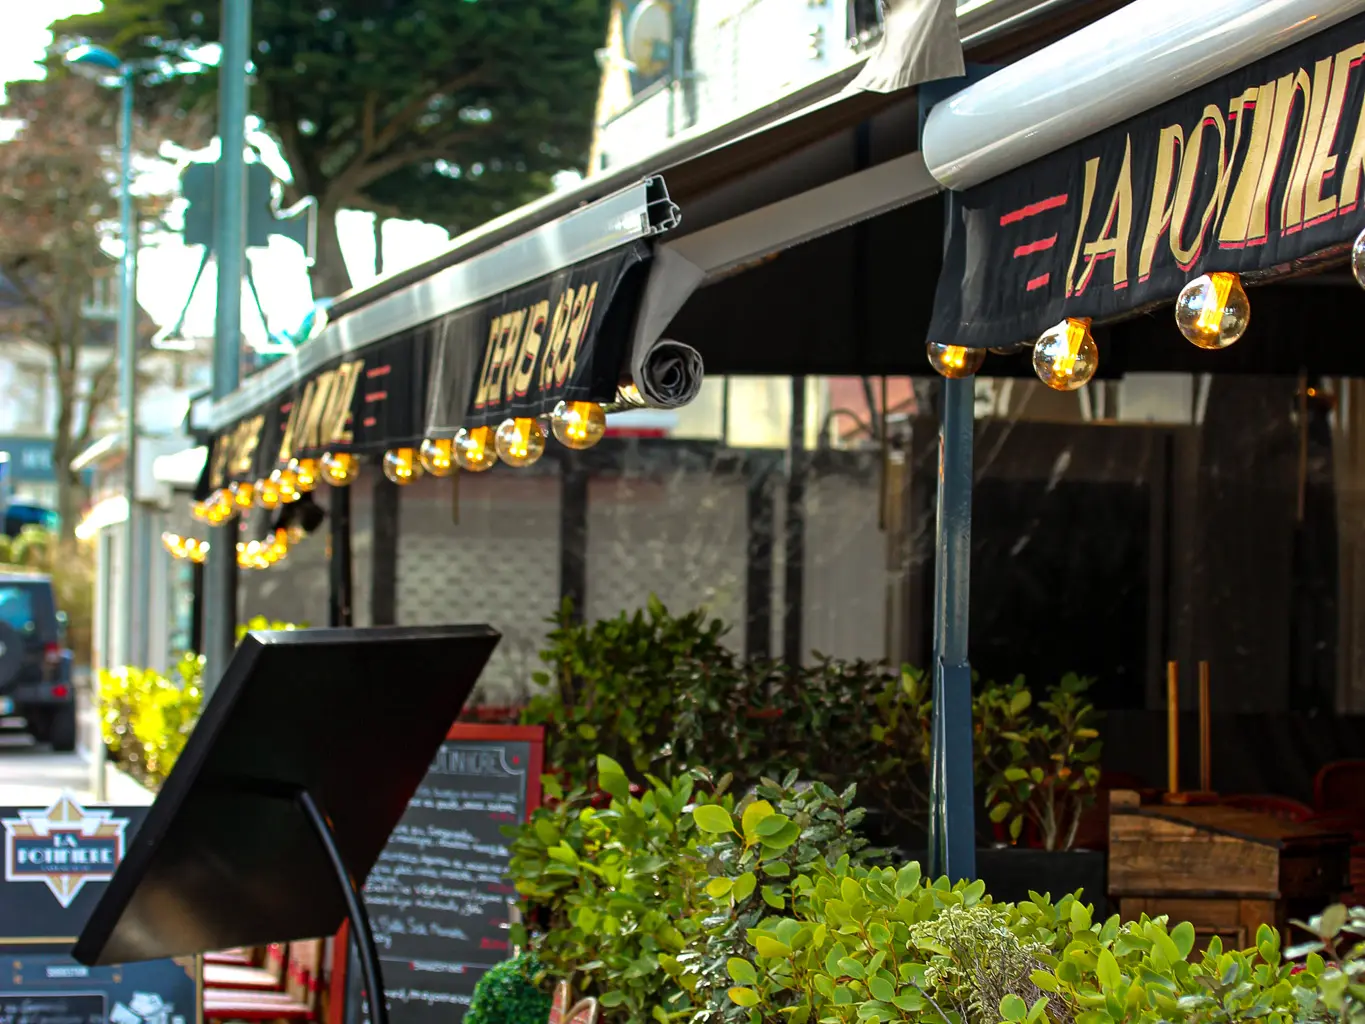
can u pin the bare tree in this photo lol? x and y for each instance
(59, 188)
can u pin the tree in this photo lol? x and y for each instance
(58, 189)
(448, 111)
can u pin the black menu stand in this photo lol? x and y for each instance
(300, 767)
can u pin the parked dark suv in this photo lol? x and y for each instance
(35, 667)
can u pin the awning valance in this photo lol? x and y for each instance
(1259, 172)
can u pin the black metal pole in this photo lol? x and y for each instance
(952, 825)
(573, 533)
(794, 538)
(361, 932)
(339, 589)
(384, 554)
(758, 570)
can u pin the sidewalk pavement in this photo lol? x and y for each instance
(33, 776)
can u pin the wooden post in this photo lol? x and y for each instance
(1172, 727)
(1205, 731)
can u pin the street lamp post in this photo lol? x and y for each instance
(99, 63)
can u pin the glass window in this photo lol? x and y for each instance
(16, 607)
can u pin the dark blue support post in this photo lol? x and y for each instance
(952, 816)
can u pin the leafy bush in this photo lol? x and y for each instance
(508, 994)
(1038, 769)
(146, 718)
(774, 837)
(609, 892)
(612, 686)
(261, 622)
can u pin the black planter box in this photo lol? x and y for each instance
(1010, 872)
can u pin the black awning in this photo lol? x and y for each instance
(561, 337)
(1260, 173)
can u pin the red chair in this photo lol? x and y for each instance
(1282, 807)
(1340, 786)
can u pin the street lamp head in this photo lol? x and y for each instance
(94, 62)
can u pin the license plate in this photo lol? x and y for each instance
(6, 706)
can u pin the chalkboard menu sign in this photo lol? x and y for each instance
(48, 989)
(439, 898)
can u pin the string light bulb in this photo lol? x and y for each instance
(198, 550)
(339, 469)
(305, 474)
(520, 442)
(437, 455)
(221, 507)
(200, 510)
(288, 483)
(475, 449)
(294, 533)
(174, 544)
(402, 466)
(578, 425)
(268, 493)
(1065, 357)
(1213, 310)
(243, 494)
(955, 361)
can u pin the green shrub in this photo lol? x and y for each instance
(774, 837)
(610, 892)
(508, 994)
(146, 718)
(612, 686)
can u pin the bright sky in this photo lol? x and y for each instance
(166, 267)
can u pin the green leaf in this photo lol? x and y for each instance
(613, 998)
(719, 887)
(1183, 937)
(714, 819)
(588, 733)
(771, 948)
(1012, 1008)
(741, 971)
(772, 824)
(1080, 916)
(773, 897)
(907, 879)
(1045, 981)
(881, 989)
(1015, 775)
(755, 814)
(1107, 970)
(743, 997)
(744, 886)
(1000, 812)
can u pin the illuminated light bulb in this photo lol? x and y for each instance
(268, 493)
(438, 456)
(221, 507)
(243, 494)
(200, 510)
(1066, 356)
(1213, 311)
(1358, 259)
(305, 474)
(199, 551)
(520, 442)
(578, 425)
(475, 450)
(401, 466)
(288, 483)
(295, 533)
(339, 469)
(174, 544)
(955, 361)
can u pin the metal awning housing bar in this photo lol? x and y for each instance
(1139, 57)
(638, 212)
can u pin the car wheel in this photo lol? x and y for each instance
(38, 724)
(62, 731)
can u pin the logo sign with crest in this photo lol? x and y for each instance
(64, 847)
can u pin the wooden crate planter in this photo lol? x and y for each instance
(1226, 871)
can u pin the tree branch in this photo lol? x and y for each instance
(359, 175)
(101, 388)
(367, 124)
(412, 110)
